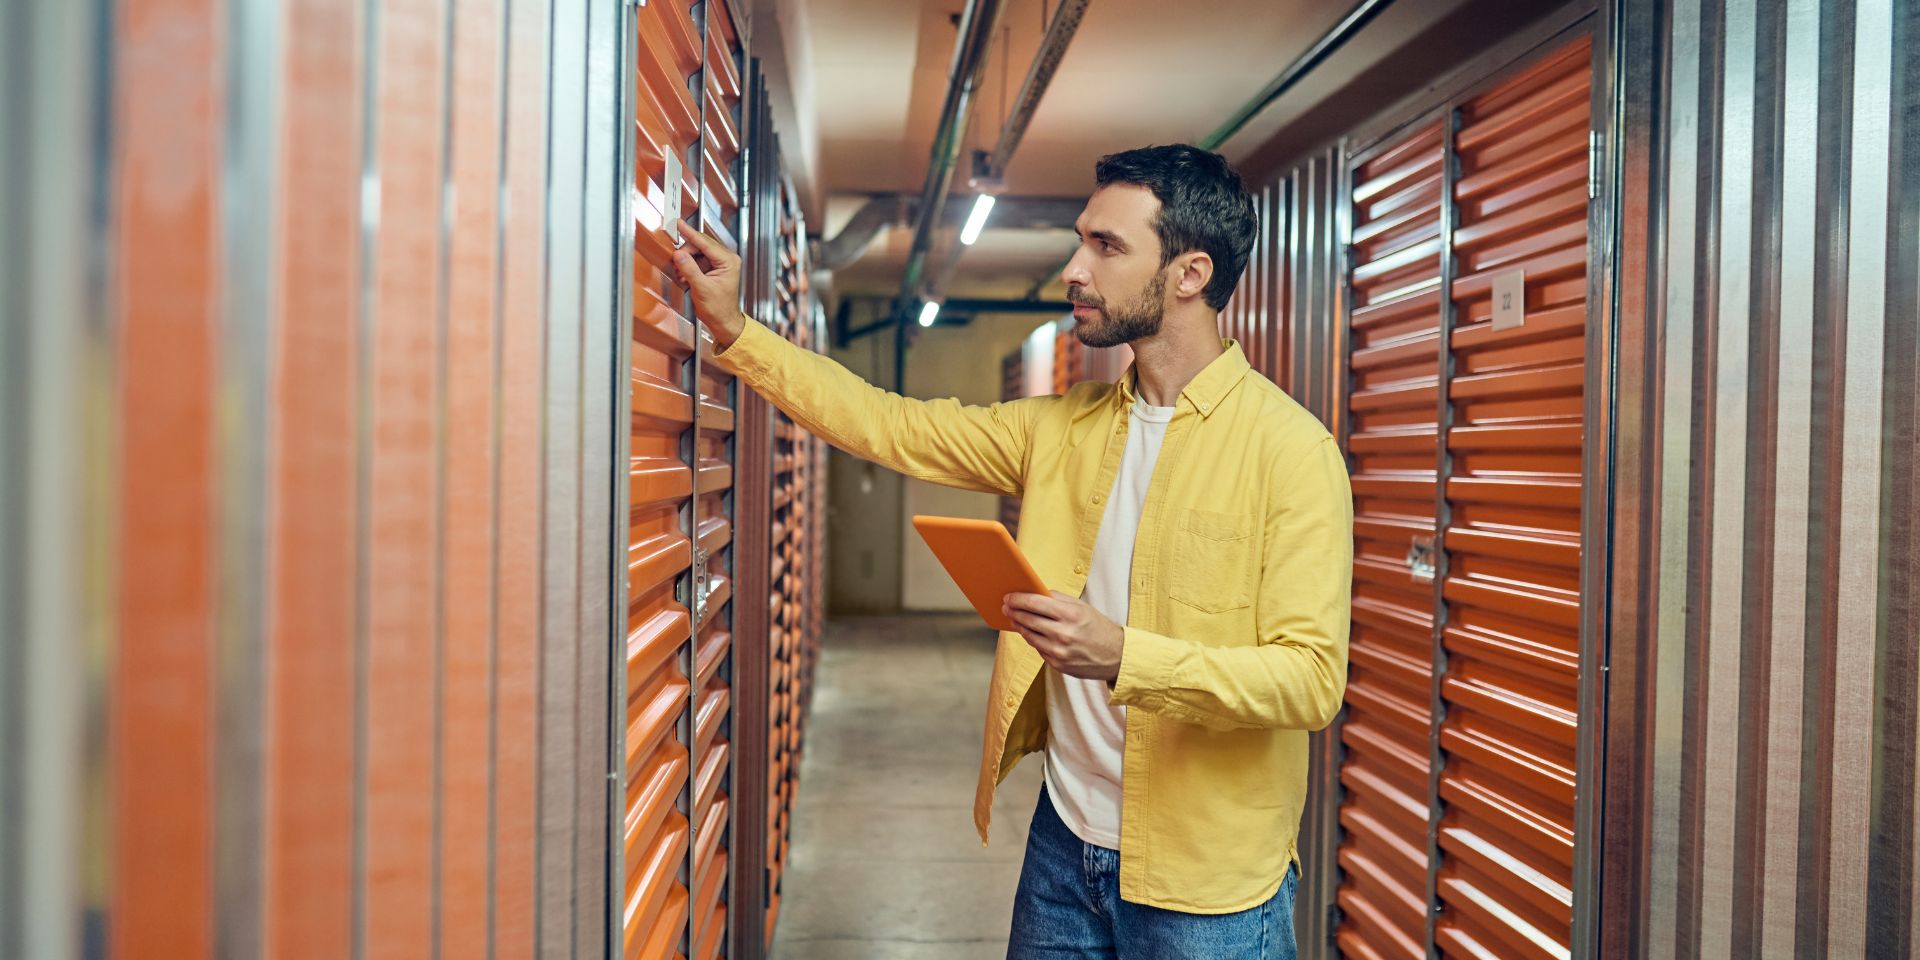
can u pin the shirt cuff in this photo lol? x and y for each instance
(745, 355)
(1147, 662)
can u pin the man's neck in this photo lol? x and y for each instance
(1166, 363)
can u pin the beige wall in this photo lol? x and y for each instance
(878, 563)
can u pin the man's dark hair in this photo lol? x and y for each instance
(1203, 206)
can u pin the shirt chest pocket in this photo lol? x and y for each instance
(1212, 556)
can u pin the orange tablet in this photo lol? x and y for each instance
(982, 558)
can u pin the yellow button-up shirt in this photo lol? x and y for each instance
(1236, 640)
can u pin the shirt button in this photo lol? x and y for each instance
(1079, 568)
(1205, 407)
(1099, 498)
(1013, 700)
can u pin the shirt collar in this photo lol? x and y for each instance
(1207, 389)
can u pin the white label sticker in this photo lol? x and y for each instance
(1509, 300)
(670, 203)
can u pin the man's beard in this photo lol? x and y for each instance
(1135, 320)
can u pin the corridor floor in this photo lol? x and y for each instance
(886, 864)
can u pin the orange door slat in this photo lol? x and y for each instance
(310, 617)
(166, 185)
(1394, 378)
(1513, 543)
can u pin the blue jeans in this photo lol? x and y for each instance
(1069, 906)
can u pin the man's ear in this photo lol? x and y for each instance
(1193, 272)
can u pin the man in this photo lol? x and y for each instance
(1199, 525)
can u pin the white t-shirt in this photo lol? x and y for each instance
(1087, 734)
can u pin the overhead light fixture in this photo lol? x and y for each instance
(927, 312)
(977, 221)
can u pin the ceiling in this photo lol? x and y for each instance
(866, 79)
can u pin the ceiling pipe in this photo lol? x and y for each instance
(1046, 60)
(1329, 42)
(1053, 46)
(887, 211)
(977, 24)
(874, 217)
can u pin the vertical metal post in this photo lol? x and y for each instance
(1597, 469)
(1442, 519)
(623, 232)
(753, 505)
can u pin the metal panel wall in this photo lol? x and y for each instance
(1763, 749)
(55, 383)
(1306, 283)
(281, 672)
(1251, 315)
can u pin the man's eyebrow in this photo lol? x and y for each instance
(1107, 236)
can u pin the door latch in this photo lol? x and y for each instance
(1420, 560)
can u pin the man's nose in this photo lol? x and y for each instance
(1075, 273)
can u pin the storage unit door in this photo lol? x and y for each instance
(1468, 370)
(792, 572)
(1393, 373)
(720, 186)
(1512, 588)
(660, 550)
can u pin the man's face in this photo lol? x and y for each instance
(1115, 280)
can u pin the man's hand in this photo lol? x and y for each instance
(711, 273)
(1070, 635)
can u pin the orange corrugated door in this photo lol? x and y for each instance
(522, 478)
(1394, 407)
(714, 596)
(469, 540)
(310, 681)
(658, 834)
(162, 730)
(790, 573)
(1512, 589)
(712, 753)
(402, 523)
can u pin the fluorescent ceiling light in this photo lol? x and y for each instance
(977, 220)
(928, 312)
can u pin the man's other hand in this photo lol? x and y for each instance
(1069, 634)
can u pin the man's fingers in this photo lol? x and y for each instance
(1028, 623)
(1047, 607)
(1046, 648)
(708, 246)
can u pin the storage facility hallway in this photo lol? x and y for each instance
(959, 479)
(885, 860)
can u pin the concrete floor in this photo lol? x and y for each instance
(886, 864)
